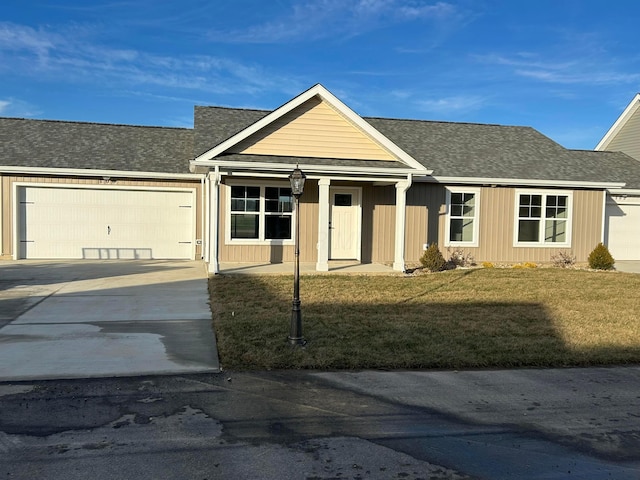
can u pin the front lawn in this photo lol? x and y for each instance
(454, 319)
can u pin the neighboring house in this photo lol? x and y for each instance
(378, 190)
(622, 230)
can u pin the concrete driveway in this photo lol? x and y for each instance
(86, 319)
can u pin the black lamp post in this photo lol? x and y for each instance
(297, 179)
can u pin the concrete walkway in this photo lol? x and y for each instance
(106, 318)
(628, 266)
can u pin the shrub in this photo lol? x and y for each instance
(459, 258)
(525, 265)
(432, 259)
(488, 265)
(600, 258)
(563, 260)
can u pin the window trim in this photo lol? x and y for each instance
(476, 217)
(541, 242)
(262, 214)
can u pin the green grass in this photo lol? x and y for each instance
(455, 319)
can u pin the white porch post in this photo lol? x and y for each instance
(401, 219)
(323, 225)
(213, 221)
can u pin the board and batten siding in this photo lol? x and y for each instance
(266, 253)
(496, 232)
(314, 129)
(8, 198)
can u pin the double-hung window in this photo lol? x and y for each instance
(463, 206)
(543, 218)
(260, 213)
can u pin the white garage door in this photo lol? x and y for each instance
(105, 223)
(623, 228)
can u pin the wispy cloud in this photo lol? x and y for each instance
(585, 70)
(455, 105)
(322, 19)
(12, 107)
(42, 53)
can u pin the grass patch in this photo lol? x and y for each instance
(454, 319)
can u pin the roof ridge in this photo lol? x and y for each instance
(448, 122)
(81, 122)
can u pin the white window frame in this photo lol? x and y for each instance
(541, 242)
(262, 214)
(448, 217)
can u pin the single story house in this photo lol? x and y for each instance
(623, 206)
(378, 190)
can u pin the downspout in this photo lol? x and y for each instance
(605, 220)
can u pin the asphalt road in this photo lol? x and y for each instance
(523, 424)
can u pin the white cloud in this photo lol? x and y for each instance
(453, 105)
(321, 19)
(581, 69)
(12, 107)
(45, 54)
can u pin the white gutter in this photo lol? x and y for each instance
(97, 173)
(625, 192)
(279, 167)
(520, 181)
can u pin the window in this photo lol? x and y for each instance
(462, 217)
(260, 213)
(543, 218)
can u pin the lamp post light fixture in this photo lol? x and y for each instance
(297, 179)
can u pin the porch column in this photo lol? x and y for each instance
(401, 216)
(213, 220)
(323, 225)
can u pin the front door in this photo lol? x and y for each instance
(344, 223)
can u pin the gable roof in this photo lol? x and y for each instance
(620, 123)
(78, 145)
(317, 91)
(489, 153)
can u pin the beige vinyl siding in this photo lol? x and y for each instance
(314, 129)
(8, 208)
(496, 232)
(628, 139)
(425, 206)
(229, 252)
(378, 224)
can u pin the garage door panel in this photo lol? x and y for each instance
(623, 235)
(105, 223)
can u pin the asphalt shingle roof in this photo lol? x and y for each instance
(450, 149)
(57, 144)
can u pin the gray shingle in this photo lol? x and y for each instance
(449, 149)
(56, 144)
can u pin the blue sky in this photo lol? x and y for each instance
(565, 67)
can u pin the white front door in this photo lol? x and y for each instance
(344, 223)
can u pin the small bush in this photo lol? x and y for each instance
(488, 265)
(563, 260)
(459, 258)
(600, 258)
(525, 265)
(432, 259)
